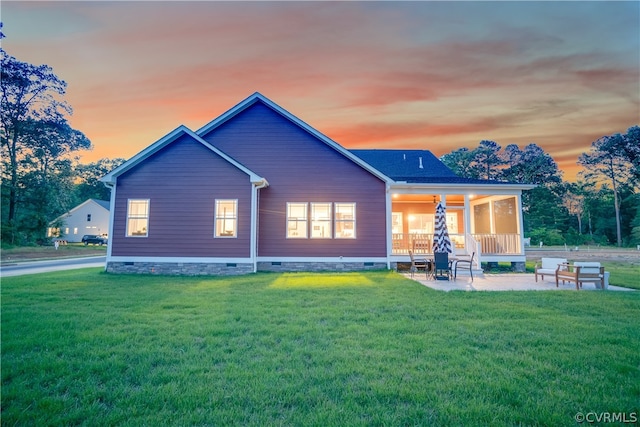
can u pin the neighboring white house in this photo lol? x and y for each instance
(89, 217)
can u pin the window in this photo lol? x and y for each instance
(345, 219)
(321, 220)
(226, 224)
(452, 222)
(138, 218)
(297, 220)
(505, 215)
(88, 217)
(397, 223)
(421, 223)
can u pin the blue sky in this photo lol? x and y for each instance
(419, 75)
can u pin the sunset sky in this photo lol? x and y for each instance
(418, 75)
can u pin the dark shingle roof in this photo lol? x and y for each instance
(414, 166)
(104, 203)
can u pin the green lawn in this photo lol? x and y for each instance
(84, 347)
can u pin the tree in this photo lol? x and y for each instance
(487, 160)
(460, 162)
(89, 185)
(531, 165)
(574, 201)
(34, 133)
(608, 162)
(631, 150)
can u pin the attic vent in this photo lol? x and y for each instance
(420, 163)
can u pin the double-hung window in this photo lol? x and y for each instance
(297, 220)
(345, 219)
(226, 223)
(138, 218)
(321, 221)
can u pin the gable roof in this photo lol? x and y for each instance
(104, 203)
(258, 97)
(180, 131)
(101, 203)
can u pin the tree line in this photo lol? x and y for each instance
(602, 207)
(42, 177)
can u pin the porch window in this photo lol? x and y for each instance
(397, 224)
(297, 220)
(506, 217)
(226, 222)
(498, 216)
(421, 223)
(345, 219)
(137, 218)
(482, 218)
(321, 220)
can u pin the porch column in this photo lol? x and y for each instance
(389, 235)
(520, 222)
(467, 218)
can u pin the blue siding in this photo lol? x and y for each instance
(301, 168)
(182, 182)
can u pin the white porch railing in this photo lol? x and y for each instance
(481, 244)
(499, 244)
(418, 243)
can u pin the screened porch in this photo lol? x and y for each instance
(485, 224)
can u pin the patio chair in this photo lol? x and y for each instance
(463, 263)
(420, 264)
(442, 270)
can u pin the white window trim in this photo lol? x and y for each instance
(148, 217)
(329, 220)
(235, 218)
(336, 220)
(306, 220)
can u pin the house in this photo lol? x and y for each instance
(258, 189)
(89, 217)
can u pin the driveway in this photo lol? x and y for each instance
(33, 267)
(504, 282)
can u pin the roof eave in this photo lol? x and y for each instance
(461, 186)
(259, 97)
(111, 177)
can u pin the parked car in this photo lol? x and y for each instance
(94, 239)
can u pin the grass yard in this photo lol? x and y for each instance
(355, 349)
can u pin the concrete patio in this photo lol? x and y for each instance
(503, 282)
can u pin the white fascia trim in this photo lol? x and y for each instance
(156, 146)
(184, 260)
(111, 177)
(322, 259)
(461, 188)
(259, 97)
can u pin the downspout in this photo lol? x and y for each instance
(254, 221)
